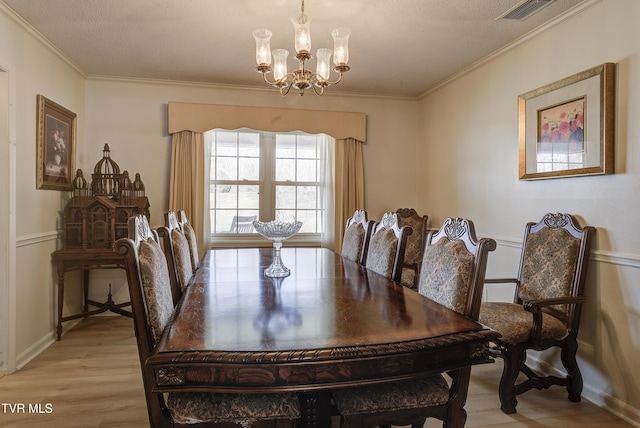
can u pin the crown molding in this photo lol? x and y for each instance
(20, 22)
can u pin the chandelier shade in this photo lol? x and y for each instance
(302, 78)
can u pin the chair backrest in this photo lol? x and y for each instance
(355, 241)
(415, 241)
(151, 299)
(454, 266)
(192, 239)
(178, 254)
(387, 246)
(242, 223)
(553, 263)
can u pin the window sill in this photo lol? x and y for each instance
(255, 240)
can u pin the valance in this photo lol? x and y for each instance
(204, 117)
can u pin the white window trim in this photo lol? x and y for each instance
(234, 240)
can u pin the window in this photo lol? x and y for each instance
(266, 176)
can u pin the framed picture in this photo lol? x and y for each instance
(55, 146)
(566, 128)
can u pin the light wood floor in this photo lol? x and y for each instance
(92, 379)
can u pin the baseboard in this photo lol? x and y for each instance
(594, 395)
(37, 348)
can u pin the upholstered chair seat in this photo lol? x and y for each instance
(411, 394)
(241, 409)
(516, 322)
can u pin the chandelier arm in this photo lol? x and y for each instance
(288, 88)
(315, 90)
(283, 82)
(325, 82)
(274, 83)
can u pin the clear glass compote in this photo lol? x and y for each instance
(277, 231)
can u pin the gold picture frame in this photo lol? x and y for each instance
(55, 145)
(566, 128)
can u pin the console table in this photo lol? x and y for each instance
(85, 260)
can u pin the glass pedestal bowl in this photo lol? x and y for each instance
(277, 231)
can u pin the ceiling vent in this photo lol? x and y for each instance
(525, 9)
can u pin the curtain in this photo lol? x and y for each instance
(349, 185)
(187, 183)
(327, 192)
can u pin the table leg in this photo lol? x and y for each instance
(60, 297)
(315, 409)
(85, 289)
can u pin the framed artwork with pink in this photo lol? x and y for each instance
(566, 128)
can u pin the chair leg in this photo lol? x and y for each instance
(568, 356)
(512, 356)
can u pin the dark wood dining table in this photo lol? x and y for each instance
(330, 324)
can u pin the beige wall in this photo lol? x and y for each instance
(33, 68)
(469, 157)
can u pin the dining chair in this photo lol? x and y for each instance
(192, 239)
(152, 307)
(355, 241)
(387, 246)
(452, 274)
(545, 312)
(415, 245)
(176, 250)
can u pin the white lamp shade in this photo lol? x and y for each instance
(302, 35)
(341, 45)
(263, 48)
(323, 57)
(280, 63)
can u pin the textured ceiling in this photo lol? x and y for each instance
(397, 47)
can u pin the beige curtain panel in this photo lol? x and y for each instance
(187, 181)
(349, 182)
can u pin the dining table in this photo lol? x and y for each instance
(330, 324)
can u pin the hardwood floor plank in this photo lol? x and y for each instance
(91, 379)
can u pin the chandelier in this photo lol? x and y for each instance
(302, 79)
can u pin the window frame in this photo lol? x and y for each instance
(267, 193)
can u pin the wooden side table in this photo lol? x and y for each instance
(85, 260)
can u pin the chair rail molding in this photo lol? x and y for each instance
(37, 238)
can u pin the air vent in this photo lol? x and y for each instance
(525, 9)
